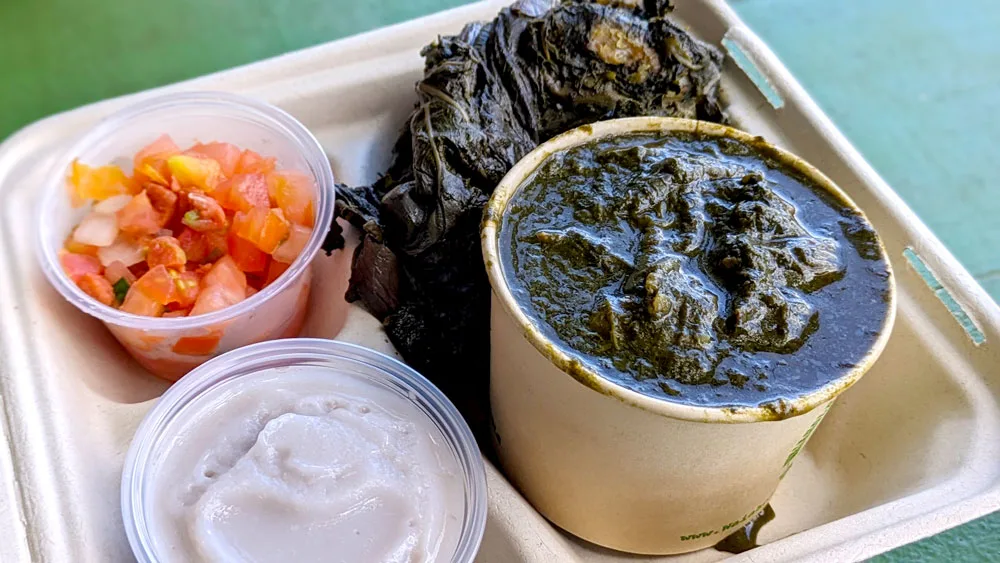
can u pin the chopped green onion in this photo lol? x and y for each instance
(190, 217)
(121, 289)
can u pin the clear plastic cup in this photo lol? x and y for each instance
(278, 311)
(201, 389)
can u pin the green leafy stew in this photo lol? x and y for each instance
(694, 269)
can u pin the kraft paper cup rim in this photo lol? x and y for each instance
(571, 365)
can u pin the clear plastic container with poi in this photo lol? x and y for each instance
(212, 469)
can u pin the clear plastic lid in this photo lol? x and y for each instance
(154, 435)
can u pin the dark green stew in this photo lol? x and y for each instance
(694, 269)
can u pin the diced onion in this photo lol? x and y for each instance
(97, 229)
(126, 252)
(112, 204)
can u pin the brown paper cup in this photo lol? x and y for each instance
(613, 466)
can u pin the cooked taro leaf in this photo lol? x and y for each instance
(489, 95)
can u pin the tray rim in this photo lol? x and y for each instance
(303, 62)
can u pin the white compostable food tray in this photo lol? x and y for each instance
(911, 450)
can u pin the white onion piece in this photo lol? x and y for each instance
(97, 229)
(126, 252)
(112, 204)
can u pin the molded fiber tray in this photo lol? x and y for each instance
(911, 450)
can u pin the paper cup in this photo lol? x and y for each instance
(613, 466)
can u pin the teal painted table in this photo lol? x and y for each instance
(915, 85)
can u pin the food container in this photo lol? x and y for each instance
(158, 431)
(622, 469)
(909, 451)
(277, 311)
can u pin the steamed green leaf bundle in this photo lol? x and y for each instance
(489, 95)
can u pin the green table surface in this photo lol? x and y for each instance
(915, 85)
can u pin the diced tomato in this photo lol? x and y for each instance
(216, 246)
(202, 247)
(226, 273)
(118, 270)
(162, 148)
(188, 286)
(86, 183)
(265, 228)
(251, 162)
(148, 173)
(289, 250)
(205, 214)
(214, 298)
(195, 172)
(197, 345)
(97, 287)
(227, 155)
(157, 284)
(167, 251)
(248, 224)
(275, 231)
(274, 270)
(138, 217)
(138, 303)
(251, 291)
(72, 245)
(221, 193)
(177, 313)
(247, 256)
(139, 269)
(293, 192)
(150, 163)
(244, 192)
(77, 265)
(256, 279)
